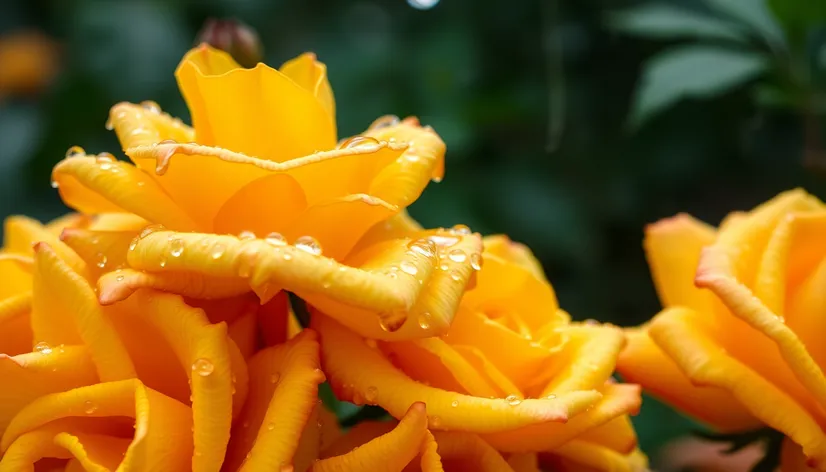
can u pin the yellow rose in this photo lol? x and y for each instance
(512, 373)
(743, 347)
(262, 164)
(154, 383)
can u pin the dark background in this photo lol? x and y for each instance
(532, 99)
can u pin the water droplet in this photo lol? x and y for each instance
(444, 266)
(408, 268)
(151, 106)
(75, 151)
(162, 261)
(119, 278)
(104, 157)
(287, 256)
(410, 157)
(457, 255)
(43, 348)
(162, 160)
(392, 322)
(424, 320)
(551, 396)
(476, 261)
(435, 421)
(274, 378)
(218, 251)
(455, 276)
(371, 394)
(101, 260)
(270, 426)
(454, 403)
(150, 229)
(385, 121)
(357, 141)
(461, 229)
(89, 407)
(513, 400)
(275, 239)
(436, 179)
(246, 235)
(308, 244)
(176, 247)
(141, 183)
(133, 244)
(442, 240)
(202, 367)
(423, 247)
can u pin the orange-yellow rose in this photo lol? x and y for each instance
(512, 372)
(29, 61)
(258, 196)
(738, 344)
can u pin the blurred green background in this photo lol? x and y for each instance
(570, 125)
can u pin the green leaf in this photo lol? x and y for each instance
(663, 21)
(692, 71)
(799, 15)
(756, 14)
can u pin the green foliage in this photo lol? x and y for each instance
(663, 21)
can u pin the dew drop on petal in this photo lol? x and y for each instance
(551, 396)
(442, 240)
(385, 121)
(454, 403)
(274, 378)
(392, 322)
(150, 229)
(151, 106)
(134, 243)
(513, 400)
(270, 426)
(218, 251)
(408, 268)
(202, 367)
(424, 320)
(43, 348)
(89, 407)
(308, 244)
(455, 276)
(119, 278)
(275, 239)
(101, 260)
(423, 247)
(357, 141)
(371, 394)
(75, 151)
(246, 235)
(444, 266)
(104, 157)
(176, 247)
(457, 255)
(54, 184)
(461, 229)
(162, 262)
(476, 261)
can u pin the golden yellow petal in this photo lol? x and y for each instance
(94, 185)
(32, 375)
(95, 452)
(617, 400)
(525, 462)
(308, 449)
(65, 311)
(258, 111)
(116, 286)
(162, 440)
(355, 369)
(588, 358)
(598, 458)
(429, 458)
(353, 292)
(488, 370)
(283, 393)
(705, 363)
(618, 435)
(672, 247)
(311, 74)
(391, 452)
(117, 222)
(69, 220)
(103, 251)
(15, 271)
(398, 226)
(806, 301)
(469, 452)
(502, 246)
(21, 233)
(15, 324)
(642, 362)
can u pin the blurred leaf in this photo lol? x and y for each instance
(771, 96)
(799, 15)
(692, 71)
(754, 13)
(663, 21)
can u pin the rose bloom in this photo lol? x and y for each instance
(738, 345)
(512, 369)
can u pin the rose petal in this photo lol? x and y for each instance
(805, 302)
(642, 362)
(308, 449)
(162, 443)
(21, 233)
(672, 247)
(95, 452)
(102, 251)
(32, 375)
(283, 388)
(65, 311)
(399, 226)
(116, 286)
(93, 186)
(257, 111)
(587, 359)
(527, 462)
(617, 434)
(485, 367)
(706, 363)
(471, 452)
(69, 220)
(793, 459)
(352, 293)
(429, 459)
(244, 330)
(15, 324)
(599, 458)
(392, 451)
(354, 368)
(117, 222)
(617, 400)
(501, 246)
(311, 75)
(15, 271)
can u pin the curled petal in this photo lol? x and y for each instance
(283, 389)
(244, 330)
(21, 233)
(356, 369)
(30, 448)
(398, 226)
(485, 367)
(705, 363)
(102, 250)
(470, 451)
(617, 434)
(392, 451)
(69, 220)
(644, 363)
(308, 449)
(15, 326)
(588, 358)
(672, 247)
(513, 252)
(617, 400)
(29, 376)
(117, 222)
(65, 311)
(311, 74)
(116, 286)
(599, 458)
(92, 185)
(95, 452)
(161, 441)
(809, 298)
(430, 461)
(352, 293)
